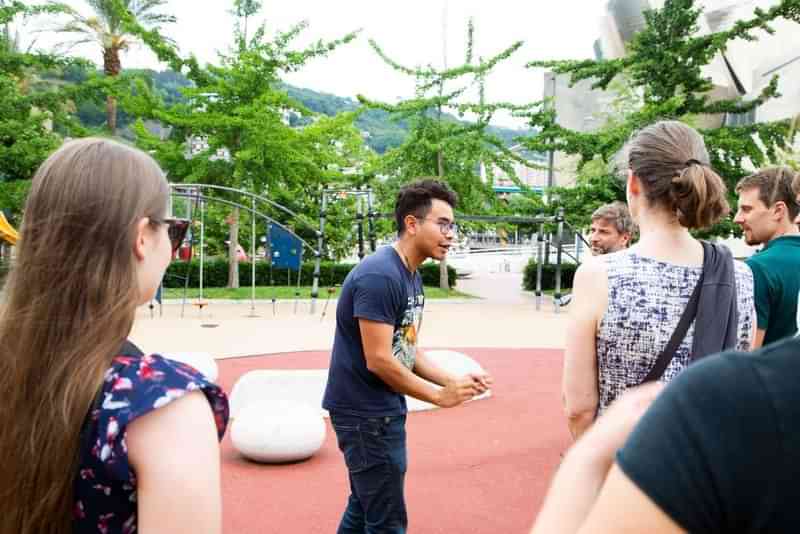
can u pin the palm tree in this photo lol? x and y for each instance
(105, 28)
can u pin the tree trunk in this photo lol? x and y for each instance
(111, 114)
(444, 282)
(112, 66)
(233, 256)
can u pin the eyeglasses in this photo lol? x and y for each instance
(176, 229)
(444, 226)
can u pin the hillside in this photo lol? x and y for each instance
(384, 133)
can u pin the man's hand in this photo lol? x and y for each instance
(484, 381)
(462, 389)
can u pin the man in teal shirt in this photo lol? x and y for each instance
(767, 212)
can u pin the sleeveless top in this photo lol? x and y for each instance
(105, 485)
(646, 299)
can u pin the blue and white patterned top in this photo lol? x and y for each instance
(105, 485)
(646, 299)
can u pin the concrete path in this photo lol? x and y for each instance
(225, 330)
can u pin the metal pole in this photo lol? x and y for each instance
(318, 253)
(202, 250)
(550, 155)
(539, 259)
(360, 224)
(194, 201)
(560, 237)
(371, 219)
(253, 258)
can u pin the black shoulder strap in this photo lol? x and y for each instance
(674, 342)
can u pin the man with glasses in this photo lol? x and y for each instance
(767, 212)
(375, 362)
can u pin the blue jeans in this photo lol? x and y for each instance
(374, 451)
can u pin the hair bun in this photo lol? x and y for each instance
(698, 194)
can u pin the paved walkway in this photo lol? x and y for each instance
(225, 330)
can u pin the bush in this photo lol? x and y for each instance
(215, 274)
(430, 274)
(548, 276)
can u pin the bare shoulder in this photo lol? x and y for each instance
(590, 290)
(175, 446)
(590, 271)
(189, 415)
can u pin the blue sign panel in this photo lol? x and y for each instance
(285, 249)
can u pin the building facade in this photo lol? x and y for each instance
(743, 70)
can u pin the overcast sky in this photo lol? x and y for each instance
(411, 32)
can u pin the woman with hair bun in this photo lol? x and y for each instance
(645, 313)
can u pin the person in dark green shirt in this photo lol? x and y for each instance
(767, 212)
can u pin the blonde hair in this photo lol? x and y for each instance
(70, 303)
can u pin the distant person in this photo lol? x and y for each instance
(612, 228)
(376, 362)
(628, 306)
(96, 436)
(768, 210)
(611, 231)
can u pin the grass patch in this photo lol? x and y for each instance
(284, 292)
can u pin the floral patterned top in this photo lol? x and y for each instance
(646, 299)
(105, 485)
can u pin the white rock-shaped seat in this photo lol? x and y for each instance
(305, 386)
(202, 361)
(277, 431)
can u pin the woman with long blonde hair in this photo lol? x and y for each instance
(96, 436)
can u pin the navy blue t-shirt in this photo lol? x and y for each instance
(380, 289)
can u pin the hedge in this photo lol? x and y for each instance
(215, 274)
(548, 276)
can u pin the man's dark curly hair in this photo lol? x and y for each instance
(417, 197)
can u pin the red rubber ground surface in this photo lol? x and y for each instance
(480, 468)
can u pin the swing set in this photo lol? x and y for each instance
(190, 201)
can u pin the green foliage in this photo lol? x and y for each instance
(597, 184)
(663, 66)
(25, 136)
(12, 198)
(790, 156)
(106, 27)
(33, 113)
(548, 276)
(382, 131)
(438, 145)
(215, 274)
(242, 110)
